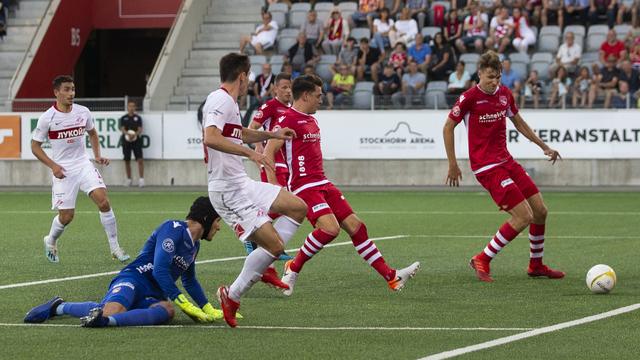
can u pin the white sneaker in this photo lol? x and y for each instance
(289, 277)
(120, 255)
(127, 183)
(403, 275)
(50, 251)
(141, 182)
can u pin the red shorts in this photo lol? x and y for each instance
(508, 184)
(325, 199)
(283, 177)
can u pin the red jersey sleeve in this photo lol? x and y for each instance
(263, 113)
(512, 108)
(461, 107)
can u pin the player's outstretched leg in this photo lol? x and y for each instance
(58, 224)
(154, 315)
(536, 241)
(270, 276)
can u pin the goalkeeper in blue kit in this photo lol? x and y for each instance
(144, 292)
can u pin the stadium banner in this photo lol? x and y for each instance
(107, 126)
(414, 134)
(9, 137)
(183, 136)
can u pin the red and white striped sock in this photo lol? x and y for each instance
(502, 238)
(315, 241)
(370, 253)
(536, 244)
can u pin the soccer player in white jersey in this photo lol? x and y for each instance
(65, 124)
(241, 202)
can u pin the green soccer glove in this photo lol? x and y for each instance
(192, 311)
(217, 314)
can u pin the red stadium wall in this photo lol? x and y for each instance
(72, 23)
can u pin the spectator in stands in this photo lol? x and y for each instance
(533, 9)
(580, 88)
(313, 29)
(532, 89)
(552, 13)
(628, 10)
(523, 35)
(605, 82)
(511, 79)
(348, 56)
(630, 75)
(603, 7)
(420, 53)
(620, 97)
(500, 30)
(264, 37)
(394, 7)
(569, 54)
(442, 59)
(367, 11)
(302, 53)
(398, 58)
(413, 85)
(462, 7)
(388, 84)
(560, 86)
(612, 47)
(262, 89)
(369, 60)
(474, 29)
(634, 55)
(452, 28)
(459, 80)
(381, 28)
(341, 87)
(490, 6)
(417, 10)
(576, 11)
(404, 30)
(3, 19)
(337, 30)
(287, 68)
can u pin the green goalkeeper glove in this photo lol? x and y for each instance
(217, 314)
(195, 313)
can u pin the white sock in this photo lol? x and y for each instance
(254, 266)
(56, 230)
(108, 220)
(286, 228)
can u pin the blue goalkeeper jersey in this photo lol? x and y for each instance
(168, 254)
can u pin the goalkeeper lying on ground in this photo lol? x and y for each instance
(140, 293)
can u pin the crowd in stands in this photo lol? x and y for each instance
(556, 53)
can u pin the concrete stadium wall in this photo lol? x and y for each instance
(350, 172)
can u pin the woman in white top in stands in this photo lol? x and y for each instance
(523, 35)
(404, 30)
(381, 29)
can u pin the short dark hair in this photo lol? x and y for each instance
(61, 79)
(202, 212)
(364, 40)
(304, 84)
(232, 65)
(283, 76)
(490, 60)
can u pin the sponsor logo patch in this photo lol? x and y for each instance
(506, 182)
(258, 114)
(238, 229)
(456, 110)
(503, 100)
(168, 246)
(319, 207)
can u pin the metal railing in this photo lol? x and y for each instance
(94, 104)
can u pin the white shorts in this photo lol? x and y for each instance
(65, 191)
(263, 40)
(246, 209)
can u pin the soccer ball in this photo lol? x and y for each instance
(601, 279)
(131, 136)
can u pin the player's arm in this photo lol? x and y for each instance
(253, 136)
(40, 134)
(194, 289)
(94, 140)
(214, 139)
(255, 124)
(526, 130)
(454, 174)
(273, 146)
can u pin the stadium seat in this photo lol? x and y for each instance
(437, 86)
(541, 62)
(305, 7)
(520, 63)
(590, 58)
(579, 31)
(257, 59)
(435, 99)
(348, 6)
(323, 15)
(362, 99)
(276, 62)
(323, 6)
(364, 85)
(285, 43)
(328, 59)
(622, 31)
(430, 31)
(471, 62)
(297, 18)
(594, 41)
(280, 18)
(279, 7)
(359, 33)
(289, 32)
(256, 69)
(549, 38)
(324, 71)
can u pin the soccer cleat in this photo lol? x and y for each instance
(289, 278)
(270, 277)
(229, 307)
(285, 257)
(403, 275)
(141, 183)
(120, 255)
(50, 251)
(127, 183)
(94, 319)
(43, 312)
(482, 268)
(544, 270)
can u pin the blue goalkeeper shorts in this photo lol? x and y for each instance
(129, 292)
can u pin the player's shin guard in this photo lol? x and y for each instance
(56, 231)
(536, 244)
(76, 309)
(502, 238)
(315, 241)
(108, 220)
(155, 315)
(286, 228)
(254, 266)
(370, 253)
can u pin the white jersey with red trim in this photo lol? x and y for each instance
(225, 171)
(66, 132)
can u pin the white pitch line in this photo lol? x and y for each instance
(87, 276)
(531, 333)
(307, 328)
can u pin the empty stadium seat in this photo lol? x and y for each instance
(437, 86)
(297, 18)
(257, 59)
(276, 62)
(520, 63)
(324, 71)
(348, 6)
(301, 7)
(289, 32)
(323, 15)
(278, 7)
(471, 61)
(364, 85)
(328, 59)
(435, 99)
(622, 31)
(280, 18)
(541, 62)
(359, 33)
(285, 43)
(323, 6)
(430, 31)
(549, 38)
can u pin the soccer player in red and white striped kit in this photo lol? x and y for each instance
(327, 208)
(484, 109)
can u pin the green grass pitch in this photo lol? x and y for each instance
(444, 303)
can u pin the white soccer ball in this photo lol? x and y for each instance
(131, 136)
(601, 279)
